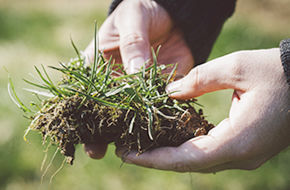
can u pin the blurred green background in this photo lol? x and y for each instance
(34, 32)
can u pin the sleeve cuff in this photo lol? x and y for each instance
(285, 57)
(200, 22)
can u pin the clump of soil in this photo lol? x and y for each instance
(71, 122)
(98, 102)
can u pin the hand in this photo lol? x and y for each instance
(258, 126)
(128, 35)
(133, 28)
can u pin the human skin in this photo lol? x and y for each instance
(128, 35)
(258, 125)
(133, 28)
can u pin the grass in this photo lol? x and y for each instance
(100, 99)
(20, 162)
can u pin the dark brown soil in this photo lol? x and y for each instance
(72, 122)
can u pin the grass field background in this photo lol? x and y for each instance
(35, 32)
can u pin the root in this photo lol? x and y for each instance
(49, 165)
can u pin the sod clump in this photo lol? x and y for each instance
(99, 101)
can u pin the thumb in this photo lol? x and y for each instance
(218, 74)
(133, 28)
(194, 155)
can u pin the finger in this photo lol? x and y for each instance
(218, 168)
(250, 164)
(107, 41)
(194, 155)
(175, 51)
(218, 74)
(96, 151)
(227, 166)
(132, 24)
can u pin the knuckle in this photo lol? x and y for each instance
(132, 40)
(194, 78)
(236, 66)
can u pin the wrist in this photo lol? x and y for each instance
(285, 57)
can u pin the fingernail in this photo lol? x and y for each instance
(174, 87)
(124, 154)
(135, 65)
(129, 157)
(126, 160)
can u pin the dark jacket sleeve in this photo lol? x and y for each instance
(199, 20)
(285, 57)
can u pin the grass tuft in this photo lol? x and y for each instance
(94, 101)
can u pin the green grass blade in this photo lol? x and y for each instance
(14, 97)
(76, 49)
(96, 52)
(46, 74)
(48, 78)
(100, 69)
(171, 75)
(136, 97)
(75, 75)
(159, 97)
(126, 76)
(142, 81)
(117, 90)
(51, 87)
(106, 77)
(102, 101)
(154, 69)
(37, 85)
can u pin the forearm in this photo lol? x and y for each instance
(199, 20)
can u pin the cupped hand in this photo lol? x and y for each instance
(258, 126)
(128, 35)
